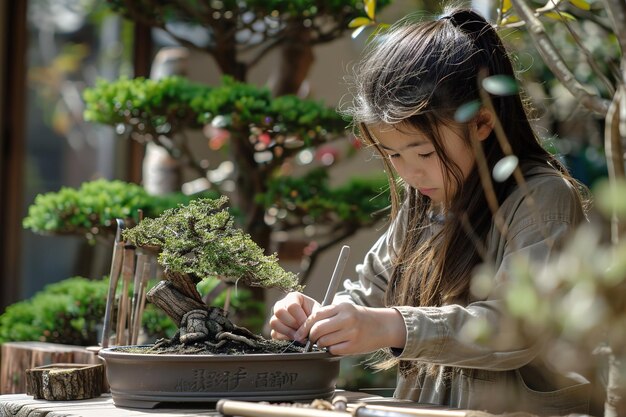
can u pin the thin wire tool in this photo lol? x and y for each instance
(333, 284)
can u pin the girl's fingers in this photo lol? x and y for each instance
(317, 317)
(298, 315)
(286, 318)
(329, 330)
(280, 328)
(343, 348)
(279, 336)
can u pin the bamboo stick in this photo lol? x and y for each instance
(135, 298)
(252, 409)
(114, 273)
(128, 267)
(146, 272)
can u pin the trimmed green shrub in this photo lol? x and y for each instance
(93, 208)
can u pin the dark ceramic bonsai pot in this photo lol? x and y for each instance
(144, 380)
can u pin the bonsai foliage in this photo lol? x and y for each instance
(269, 129)
(93, 208)
(199, 240)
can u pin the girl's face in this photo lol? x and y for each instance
(413, 156)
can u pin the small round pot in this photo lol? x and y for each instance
(143, 380)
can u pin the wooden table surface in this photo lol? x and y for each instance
(22, 405)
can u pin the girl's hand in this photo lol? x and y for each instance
(348, 329)
(289, 314)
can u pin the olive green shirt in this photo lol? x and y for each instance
(505, 375)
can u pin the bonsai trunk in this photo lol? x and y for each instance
(296, 60)
(197, 322)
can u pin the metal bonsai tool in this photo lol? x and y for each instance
(114, 274)
(334, 283)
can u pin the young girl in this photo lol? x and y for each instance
(412, 296)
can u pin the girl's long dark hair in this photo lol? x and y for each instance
(415, 78)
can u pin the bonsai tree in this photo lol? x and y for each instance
(193, 243)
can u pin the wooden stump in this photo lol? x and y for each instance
(64, 381)
(19, 356)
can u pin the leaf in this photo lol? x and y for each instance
(358, 22)
(506, 6)
(550, 5)
(504, 168)
(580, 4)
(509, 20)
(500, 85)
(560, 16)
(358, 31)
(466, 111)
(370, 8)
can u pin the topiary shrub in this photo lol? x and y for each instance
(91, 209)
(64, 312)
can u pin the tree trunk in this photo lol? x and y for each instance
(19, 356)
(296, 60)
(172, 302)
(64, 382)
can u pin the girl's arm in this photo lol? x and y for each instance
(365, 324)
(446, 335)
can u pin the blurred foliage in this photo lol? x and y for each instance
(356, 202)
(201, 241)
(576, 302)
(64, 312)
(233, 25)
(71, 311)
(92, 209)
(306, 8)
(581, 33)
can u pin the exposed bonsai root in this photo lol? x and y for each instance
(166, 343)
(215, 345)
(194, 326)
(237, 338)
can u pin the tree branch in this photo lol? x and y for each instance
(555, 62)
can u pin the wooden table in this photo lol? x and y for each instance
(22, 405)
